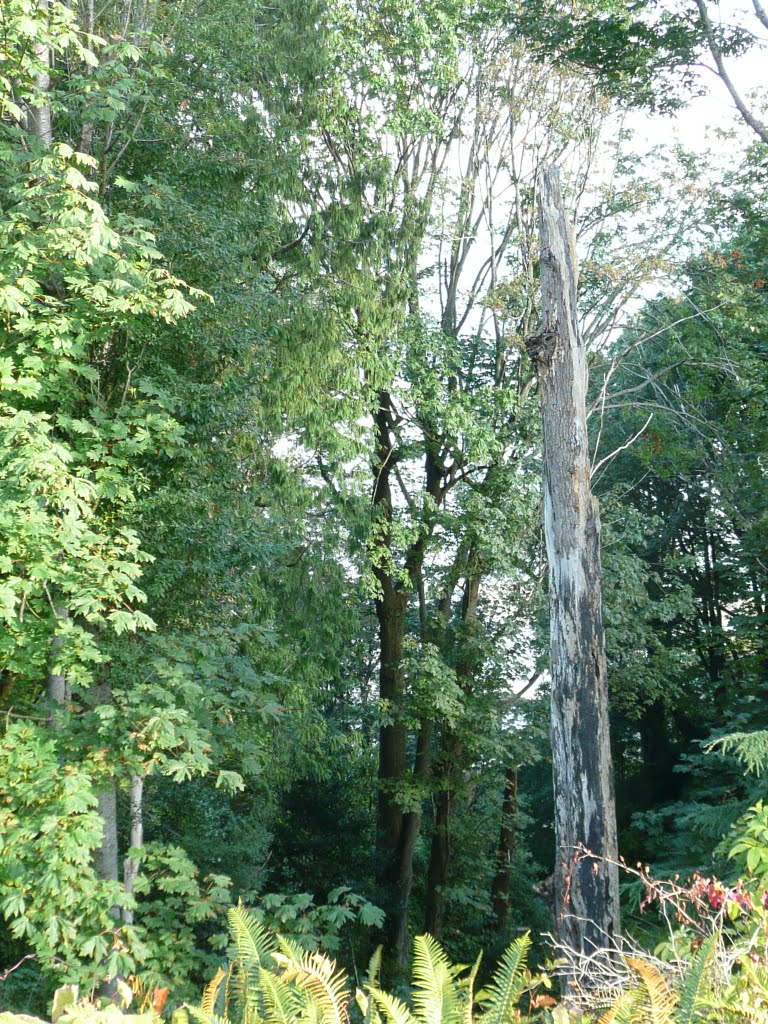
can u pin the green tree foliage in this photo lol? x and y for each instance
(688, 617)
(215, 494)
(65, 913)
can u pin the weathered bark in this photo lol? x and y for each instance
(502, 882)
(586, 889)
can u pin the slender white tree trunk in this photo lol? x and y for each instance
(57, 690)
(586, 889)
(39, 119)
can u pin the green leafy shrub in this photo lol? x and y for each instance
(316, 926)
(49, 827)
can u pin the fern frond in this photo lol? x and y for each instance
(467, 987)
(626, 1010)
(732, 1012)
(374, 968)
(253, 942)
(395, 1010)
(367, 1007)
(280, 1000)
(211, 991)
(757, 978)
(311, 1013)
(435, 996)
(693, 982)
(658, 991)
(316, 975)
(253, 951)
(366, 1004)
(508, 982)
(204, 1017)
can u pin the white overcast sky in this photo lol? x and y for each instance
(693, 126)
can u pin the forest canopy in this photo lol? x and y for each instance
(278, 583)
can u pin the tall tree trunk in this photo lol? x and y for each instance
(398, 830)
(39, 123)
(105, 858)
(390, 611)
(57, 690)
(399, 876)
(586, 889)
(39, 118)
(502, 881)
(451, 762)
(392, 845)
(439, 862)
(136, 841)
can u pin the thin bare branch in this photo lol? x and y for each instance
(714, 48)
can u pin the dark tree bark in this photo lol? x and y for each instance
(502, 881)
(398, 874)
(448, 768)
(586, 888)
(393, 762)
(439, 861)
(398, 829)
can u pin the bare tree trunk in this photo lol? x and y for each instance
(106, 858)
(39, 119)
(586, 889)
(131, 864)
(56, 687)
